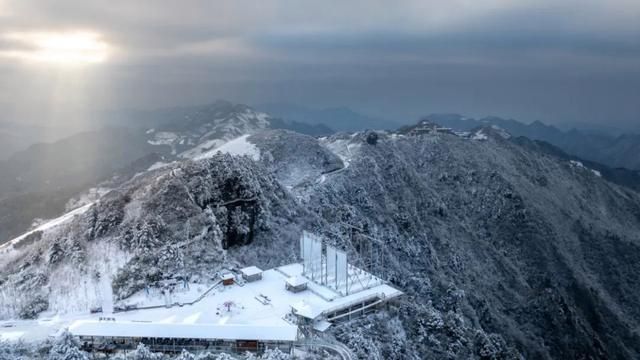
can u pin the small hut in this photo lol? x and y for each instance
(227, 279)
(296, 284)
(251, 273)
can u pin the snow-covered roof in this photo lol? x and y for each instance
(260, 305)
(251, 271)
(321, 325)
(227, 276)
(307, 310)
(296, 281)
(184, 331)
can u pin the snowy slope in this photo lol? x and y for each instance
(238, 146)
(10, 245)
(206, 128)
(503, 252)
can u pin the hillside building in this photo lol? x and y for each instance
(275, 308)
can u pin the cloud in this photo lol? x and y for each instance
(310, 51)
(160, 27)
(65, 48)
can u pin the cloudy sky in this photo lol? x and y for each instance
(550, 60)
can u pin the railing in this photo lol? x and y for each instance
(198, 299)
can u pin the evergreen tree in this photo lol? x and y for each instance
(274, 354)
(142, 353)
(66, 347)
(56, 253)
(185, 355)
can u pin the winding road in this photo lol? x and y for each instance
(332, 346)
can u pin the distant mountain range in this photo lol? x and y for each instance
(337, 118)
(15, 136)
(602, 147)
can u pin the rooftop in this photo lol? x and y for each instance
(254, 310)
(227, 276)
(184, 331)
(296, 281)
(251, 271)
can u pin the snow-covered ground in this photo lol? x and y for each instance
(265, 302)
(580, 165)
(479, 135)
(9, 246)
(237, 146)
(345, 149)
(203, 148)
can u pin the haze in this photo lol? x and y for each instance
(559, 62)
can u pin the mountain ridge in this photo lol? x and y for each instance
(501, 250)
(612, 150)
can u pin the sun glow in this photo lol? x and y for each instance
(62, 48)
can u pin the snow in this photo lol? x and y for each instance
(479, 135)
(321, 325)
(233, 310)
(73, 291)
(580, 165)
(502, 132)
(307, 310)
(184, 331)
(158, 165)
(237, 146)
(10, 245)
(203, 148)
(344, 149)
(192, 319)
(163, 138)
(296, 281)
(11, 335)
(251, 271)
(577, 163)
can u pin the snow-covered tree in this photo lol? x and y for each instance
(66, 347)
(224, 356)
(33, 306)
(142, 353)
(185, 355)
(216, 356)
(76, 251)
(274, 354)
(56, 253)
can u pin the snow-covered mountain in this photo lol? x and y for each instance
(503, 251)
(39, 181)
(205, 128)
(614, 149)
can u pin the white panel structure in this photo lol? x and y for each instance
(311, 252)
(330, 275)
(316, 260)
(307, 255)
(302, 256)
(341, 272)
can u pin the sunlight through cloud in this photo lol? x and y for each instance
(61, 48)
